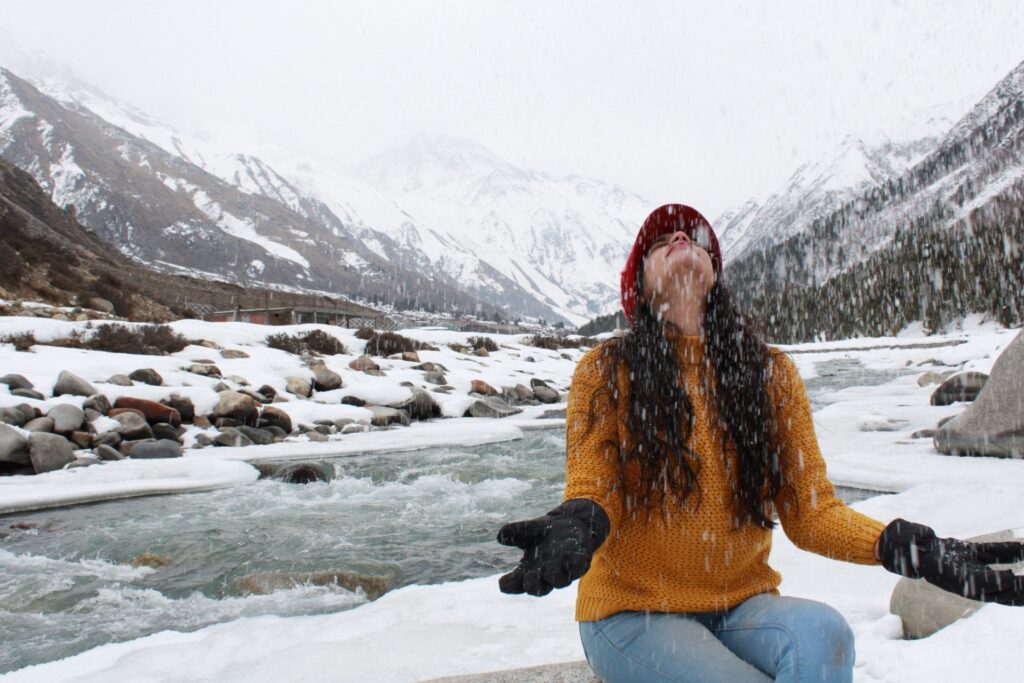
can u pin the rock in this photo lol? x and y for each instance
(209, 344)
(523, 392)
(304, 472)
(12, 416)
(924, 609)
(49, 452)
(186, 409)
(434, 377)
(152, 450)
(66, 418)
(317, 437)
(410, 356)
(132, 425)
(353, 401)
(278, 433)
(994, 424)
(264, 583)
(963, 386)
(384, 416)
(100, 304)
(203, 440)
(325, 379)
(233, 353)
(120, 380)
(879, 423)
(108, 439)
(275, 417)
(165, 430)
(325, 429)
(375, 373)
(154, 412)
(237, 406)
(29, 412)
(481, 351)
(268, 391)
(419, 406)
(202, 422)
(923, 434)
(15, 381)
(489, 406)
(536, 382)
(557, 412)
(430, 367)
(255, 395)
(14, 448)
(70, 383)
(482, 387)
(147, 376)
(355, 428)
(564, 672)
(443, 389)
(530, 359)
(546, 394)
(39, 424)
(260, 437)
(363, 363)
(232, 438)
(148, 559)
(81, 439)
(97, 402)
(227, 422)
(27, 393)
(204, 369)
(238, 379)
(83, 461)
(933, 378)
(105, 452)
(298, 386)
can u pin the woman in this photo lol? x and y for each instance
(682, 437)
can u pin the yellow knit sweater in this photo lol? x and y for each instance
(695, 560)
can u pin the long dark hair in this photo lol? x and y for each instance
(660, 413)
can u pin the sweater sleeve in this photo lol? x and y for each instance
(591, 436)
(813, 517)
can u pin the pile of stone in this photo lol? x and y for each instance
(94, 309)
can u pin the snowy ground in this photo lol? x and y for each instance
(420, 632)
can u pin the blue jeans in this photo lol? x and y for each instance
(766, 637)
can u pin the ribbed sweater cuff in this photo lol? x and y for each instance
(862, 542)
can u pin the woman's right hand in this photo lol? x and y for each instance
(556, 547)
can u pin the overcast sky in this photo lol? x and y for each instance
(706, 104)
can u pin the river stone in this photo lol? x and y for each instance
(49, 452)
(147, 376)
(203, 440)
(963, 386)
(39, 424)
(434, 377)
(105, 452)
(14, 447)
(325, 379)
(165, 430)
(268, 391)
(489, 406)
(275, 417)
(255, 395)
(298, 386)
(204, 369)
(232, 437)
(152, 450)
(264, 583)
(303, 472)
(12, 416)
(120, 380)
(430, 367)
(227, 422)
(28, 393)
(186, 409)
(994, 424)
(233, 353)
(237, 406)
(355, 428)
(132, 425)
(932, 377)
(16, 381)
(66, 418)
(537, 382)
(925, 609)
(546, 394)
(70, 383)
(107, 439)
(260, 437)
(565, 672)
(82, 440)
(419, 406)
(153, 411)
(97, 402)
(238, 379)
(523, 392)
(316, 437)
(353, 401)
(482, 387)
(384, 416)
(83, 461)
(363, 363)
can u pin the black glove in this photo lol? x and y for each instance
(953, 565)
(556, 547)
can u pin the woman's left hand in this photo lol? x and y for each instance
(960, 567)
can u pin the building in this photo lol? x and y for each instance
(300, 315)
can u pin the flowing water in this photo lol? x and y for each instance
(67, 580)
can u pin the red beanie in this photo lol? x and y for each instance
(668, 218)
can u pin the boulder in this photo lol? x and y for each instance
(204, 369)
(419, 406)
(154, 412)
(152, 450)
(70, 383)
(275, 417)
(14, 448)
(232, 437)
(39, 424)
(924, 609)
(303, 472)
(963, 386)
(49, 452)
(264, 583)
(993, 424)
(384, 416)
(186, 409)
(363, 363)
(105, 452)
(100, 304)
(233, 353)
(298, 386)
(16, 381)
(27, 393)
(223, 422)
(97, 402)
(165, 430)
(523, 392)
(325, 379)
(132, 425)
(66, 418)
(120, 380)
(260, 437)
(482, 387)
(81, 440)
(278, 433)
(12, 416)
(536, 382)
(237, 406)
(434, 377)
(490, 406)
(546, 394)
(107, 439)
(202, 422)
(147, 376)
